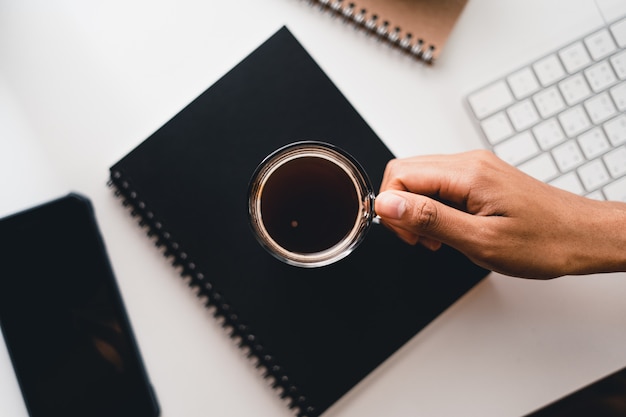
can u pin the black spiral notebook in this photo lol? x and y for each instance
(316, 332)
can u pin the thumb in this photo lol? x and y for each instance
(423, 216)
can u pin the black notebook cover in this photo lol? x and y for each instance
(318, 332)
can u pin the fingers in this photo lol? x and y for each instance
(413, 239)
(450, 177)
(416, 218)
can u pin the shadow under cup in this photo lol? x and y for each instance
(310, 204)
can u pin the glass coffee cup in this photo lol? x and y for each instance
(310, 204)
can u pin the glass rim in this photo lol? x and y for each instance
(353, 170)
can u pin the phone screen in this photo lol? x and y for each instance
(63, 318)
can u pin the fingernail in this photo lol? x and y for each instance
(390, 205)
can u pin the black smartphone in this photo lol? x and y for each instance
(63, 318)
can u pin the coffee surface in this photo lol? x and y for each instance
(309, 204)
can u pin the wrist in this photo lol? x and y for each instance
(602, 234)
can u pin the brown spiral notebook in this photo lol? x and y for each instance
(316, 332)
(418, 27)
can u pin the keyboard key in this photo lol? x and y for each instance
(549, 102)
(593, 175)
(497, 128)
(567, 156)
(523, 83)
(517, 149)
(616, 191)
(574, 57)
(619, 95)
(600, 44)
(600, 108)
(569, 182)
(600, 76)
(574, 121)
(619, 64)
(619, 32)
(616, 162)
(596, 195)
(616, 130)
(548, 134)
(574, 89)
(562, 119)
(541, 167)
(490, 99)
(523, 115)
(593, 143)
(549, 70)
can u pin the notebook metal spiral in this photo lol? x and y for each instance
(198, 281)
(364, 19)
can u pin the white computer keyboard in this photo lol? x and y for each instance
(562, 118)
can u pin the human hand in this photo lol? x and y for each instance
(499, 217)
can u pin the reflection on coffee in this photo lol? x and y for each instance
(309, 204)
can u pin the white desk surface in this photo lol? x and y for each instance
(83, 83)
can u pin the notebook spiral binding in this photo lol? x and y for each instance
(371, 23)
(223, 312)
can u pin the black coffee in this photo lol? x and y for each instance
(309, 204)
